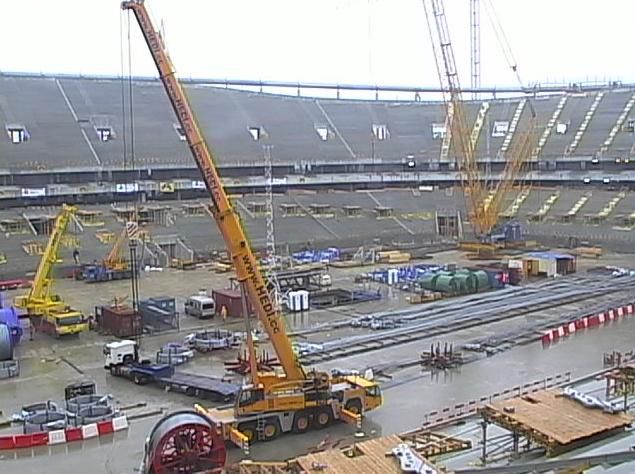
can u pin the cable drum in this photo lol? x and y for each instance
(184, 442)
(75, 404)
(93, 414)
(6, 343)
(44, 421)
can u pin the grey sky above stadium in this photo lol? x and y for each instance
(346, 41)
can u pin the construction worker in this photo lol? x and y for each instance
(76, 256)
(31, 329)
(223, 313)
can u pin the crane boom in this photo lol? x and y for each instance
(227, 219)
(42, 282)
(113, 259)
(458, 129)
(484, 213)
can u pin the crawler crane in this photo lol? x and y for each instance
(484, 196)
(294, 400)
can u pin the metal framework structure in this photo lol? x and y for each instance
(475, 46)
(272, 260)
(484, 197)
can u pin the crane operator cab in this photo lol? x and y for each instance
(357, 394)
(248, 396)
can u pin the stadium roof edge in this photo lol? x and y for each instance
(534, 89)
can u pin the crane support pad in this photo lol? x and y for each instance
(350, 417)
(238, 438)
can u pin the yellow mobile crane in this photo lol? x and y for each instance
(273, 403)
(484, 197)
(51, 313)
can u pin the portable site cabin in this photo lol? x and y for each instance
(545, 264)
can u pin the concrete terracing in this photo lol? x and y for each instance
(62, 115)
(412, 218)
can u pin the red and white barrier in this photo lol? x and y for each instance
(68, 435)
(448, 414)
(595, 320)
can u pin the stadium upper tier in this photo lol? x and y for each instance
(69, 123)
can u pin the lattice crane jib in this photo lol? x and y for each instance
(484, 197)
(471, 181)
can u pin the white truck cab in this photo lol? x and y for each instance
(119, 353)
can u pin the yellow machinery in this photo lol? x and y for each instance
(114, 259)
(53, 315)
(484, 197)
(273, 403)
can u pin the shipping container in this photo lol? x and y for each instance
(119, 321)
(159, 314)
(232, 300)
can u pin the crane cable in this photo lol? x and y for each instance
(124, 134)
(503, 42)
(129, 141)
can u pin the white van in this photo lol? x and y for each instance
(201, 307)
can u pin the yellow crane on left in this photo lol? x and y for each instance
(46, 310)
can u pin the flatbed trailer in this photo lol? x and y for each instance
(100, 273)
(165, 376)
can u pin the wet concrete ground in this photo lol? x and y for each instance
(408, 396)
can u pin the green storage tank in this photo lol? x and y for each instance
(465, 282)
(427, 281)
(445, 283)
(482, 279)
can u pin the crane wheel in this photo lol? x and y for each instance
(354, 406)
(249, 430)
(301, 422)
(271, 430)
(323, 418)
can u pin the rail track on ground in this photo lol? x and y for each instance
(449, 316)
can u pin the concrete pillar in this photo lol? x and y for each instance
(515, 439)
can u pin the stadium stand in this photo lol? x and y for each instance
(53, 139)
(602, 121)
(571, 117)
(411, 210)
(56, 113)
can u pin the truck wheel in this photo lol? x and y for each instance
(249, 430)
(354, 406)
(190, 391)
(271, 430)
(323, 417)
(301, 422)
(139, 379)
(113, 370)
